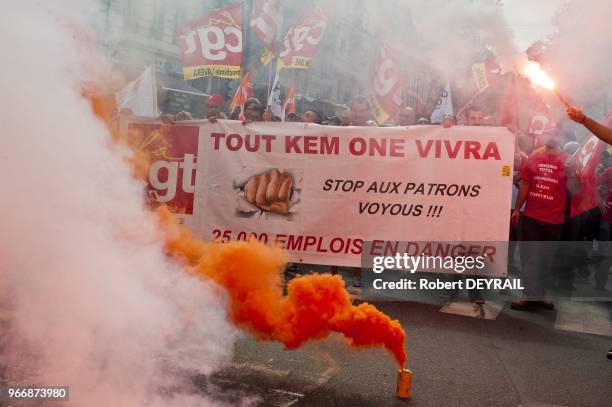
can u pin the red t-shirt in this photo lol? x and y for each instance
(606, 179)
(547, 195)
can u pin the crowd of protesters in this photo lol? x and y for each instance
(544, 184)
(357, 114)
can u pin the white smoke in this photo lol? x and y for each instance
(578, 54)
(454, 31)
(94, 303)
(575, 50)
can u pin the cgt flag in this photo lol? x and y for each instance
(586, 159)
(387, 94)
(265, 21)
(244, 91)
(211, 45)
(172, 153)
(302, 40)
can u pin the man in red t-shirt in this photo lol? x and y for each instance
(543, 189)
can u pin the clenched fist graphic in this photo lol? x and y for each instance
(270, 191)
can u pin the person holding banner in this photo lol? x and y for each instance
(448, 120)
(475, 116)
(235, 113)
(345, 117)
(312, 117)
(360, 112)
(406, 117)
(214, 105)
(252, 111)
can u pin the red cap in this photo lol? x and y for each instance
(215, 100)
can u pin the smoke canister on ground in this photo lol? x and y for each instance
(404, 384)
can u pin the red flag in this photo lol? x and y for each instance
(211, 45)
(302, 40)
(244, 91)
(586, 160)
(265, 21)
(289, 104)
(386, 97)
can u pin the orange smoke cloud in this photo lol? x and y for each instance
(315, 305)
(251, 272)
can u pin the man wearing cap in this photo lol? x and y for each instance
(214, 105)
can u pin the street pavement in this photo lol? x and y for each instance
(460, 353)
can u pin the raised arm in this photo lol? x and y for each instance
(598, 129)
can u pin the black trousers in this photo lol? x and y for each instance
(580, 228)
(603, 269)
(537, 255)
(512, 242)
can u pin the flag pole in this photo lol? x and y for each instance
(269, 83)
(418, 99)
(247, 9)
(154, 90)
(241, 95)
(468, 104)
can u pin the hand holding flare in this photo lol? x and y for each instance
(539, 77)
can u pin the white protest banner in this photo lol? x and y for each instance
(321, 192)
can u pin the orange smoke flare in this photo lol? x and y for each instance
(315, 305)
(538, 76)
